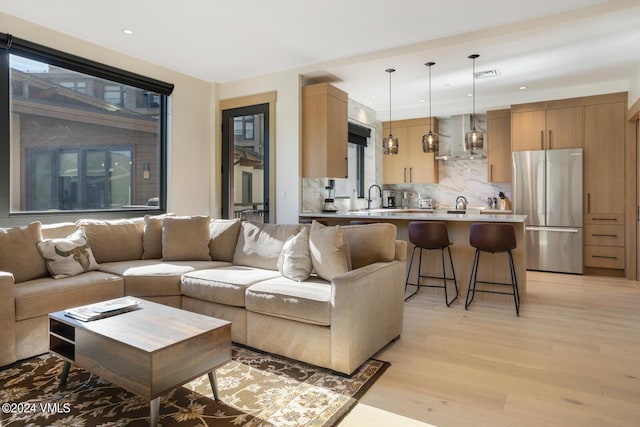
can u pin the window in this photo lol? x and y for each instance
(79, 135)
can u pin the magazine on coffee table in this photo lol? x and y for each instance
(101, 310)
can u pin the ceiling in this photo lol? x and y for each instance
(557, 49)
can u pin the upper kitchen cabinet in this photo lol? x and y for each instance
(324, 131)
(604, 158)
(411, 164)
(546, 126)
(499, 146)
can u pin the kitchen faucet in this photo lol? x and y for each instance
(369, 194)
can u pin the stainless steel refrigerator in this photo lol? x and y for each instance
(547, 187)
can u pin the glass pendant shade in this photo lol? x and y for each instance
(390, 144)
(430, 143)
(474, 139)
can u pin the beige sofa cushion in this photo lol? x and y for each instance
(58, 230)
(224, 235)
(69, 256)
(19, 253)
(308, 301)
(185, 238)
(153, 277)
(259, 245)
(371, 243)
(41, 296)
(295, 259)
(329, 251)
(152, 236)
(114, 240)
(225, 285)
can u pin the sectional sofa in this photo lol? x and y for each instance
(329, 296)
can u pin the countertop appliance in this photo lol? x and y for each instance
(547, 187)
(329, 197)
(461, 203)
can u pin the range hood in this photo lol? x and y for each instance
(455, 150)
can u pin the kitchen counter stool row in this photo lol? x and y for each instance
(484, 237)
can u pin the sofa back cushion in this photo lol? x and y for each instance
(185, 238)
(371, 243)
(152, 236)
(58, 230)
(114, 240)
(259, 245)
(19, 253)
(224, 236)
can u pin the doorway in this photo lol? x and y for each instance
(245, 163)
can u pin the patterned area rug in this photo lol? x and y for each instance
(256, 389)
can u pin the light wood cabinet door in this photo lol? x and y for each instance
(324, 132)
(604, 158)
(423, 168)
(394, 166)
(565, 128)
(499, 146)
(527, 130)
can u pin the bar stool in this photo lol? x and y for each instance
(493, 238)
(309, 221)
(361, 222)
(430, 235)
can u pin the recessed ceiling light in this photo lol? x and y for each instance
(522, 87)
(470, 94)
(422, 100)
(128, 31)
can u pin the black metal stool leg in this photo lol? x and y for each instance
(514, 281)
(472, 279)
(406, 284)
(453, 273)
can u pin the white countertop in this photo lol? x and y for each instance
(417, 214)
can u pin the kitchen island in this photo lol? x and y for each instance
(493, 267)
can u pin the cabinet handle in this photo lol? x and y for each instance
(410, 174)
(603, 235)
(542, 139)
(605, 219)
(589, 203)
(491, 172)
(550, 140)
(603, 256)
(346, 163)
(405, 175)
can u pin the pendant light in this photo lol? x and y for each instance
(474, 139)
(390, 143)
(430, 140)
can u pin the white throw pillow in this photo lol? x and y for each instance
(330, 254)
(295, 259)
(70, 256)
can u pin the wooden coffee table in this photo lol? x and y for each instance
(148, 351)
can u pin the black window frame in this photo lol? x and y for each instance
(24, 48)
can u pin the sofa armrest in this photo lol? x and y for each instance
(7, 319)
(401, 250)
(367, 311)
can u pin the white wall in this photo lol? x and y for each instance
(286, 146)
(191, 116)
(634, 87)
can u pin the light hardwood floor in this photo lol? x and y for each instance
(572, 358)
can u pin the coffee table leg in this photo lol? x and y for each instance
(214, 384)
(154, 407)
(65, 373)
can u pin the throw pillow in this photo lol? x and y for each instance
(19, 253)
(329, 251)
(68, 256)
(295, 259)
(185, 238)
(224, 235)
(259, 245)
(152, 236)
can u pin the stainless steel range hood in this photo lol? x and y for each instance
(458, 126)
